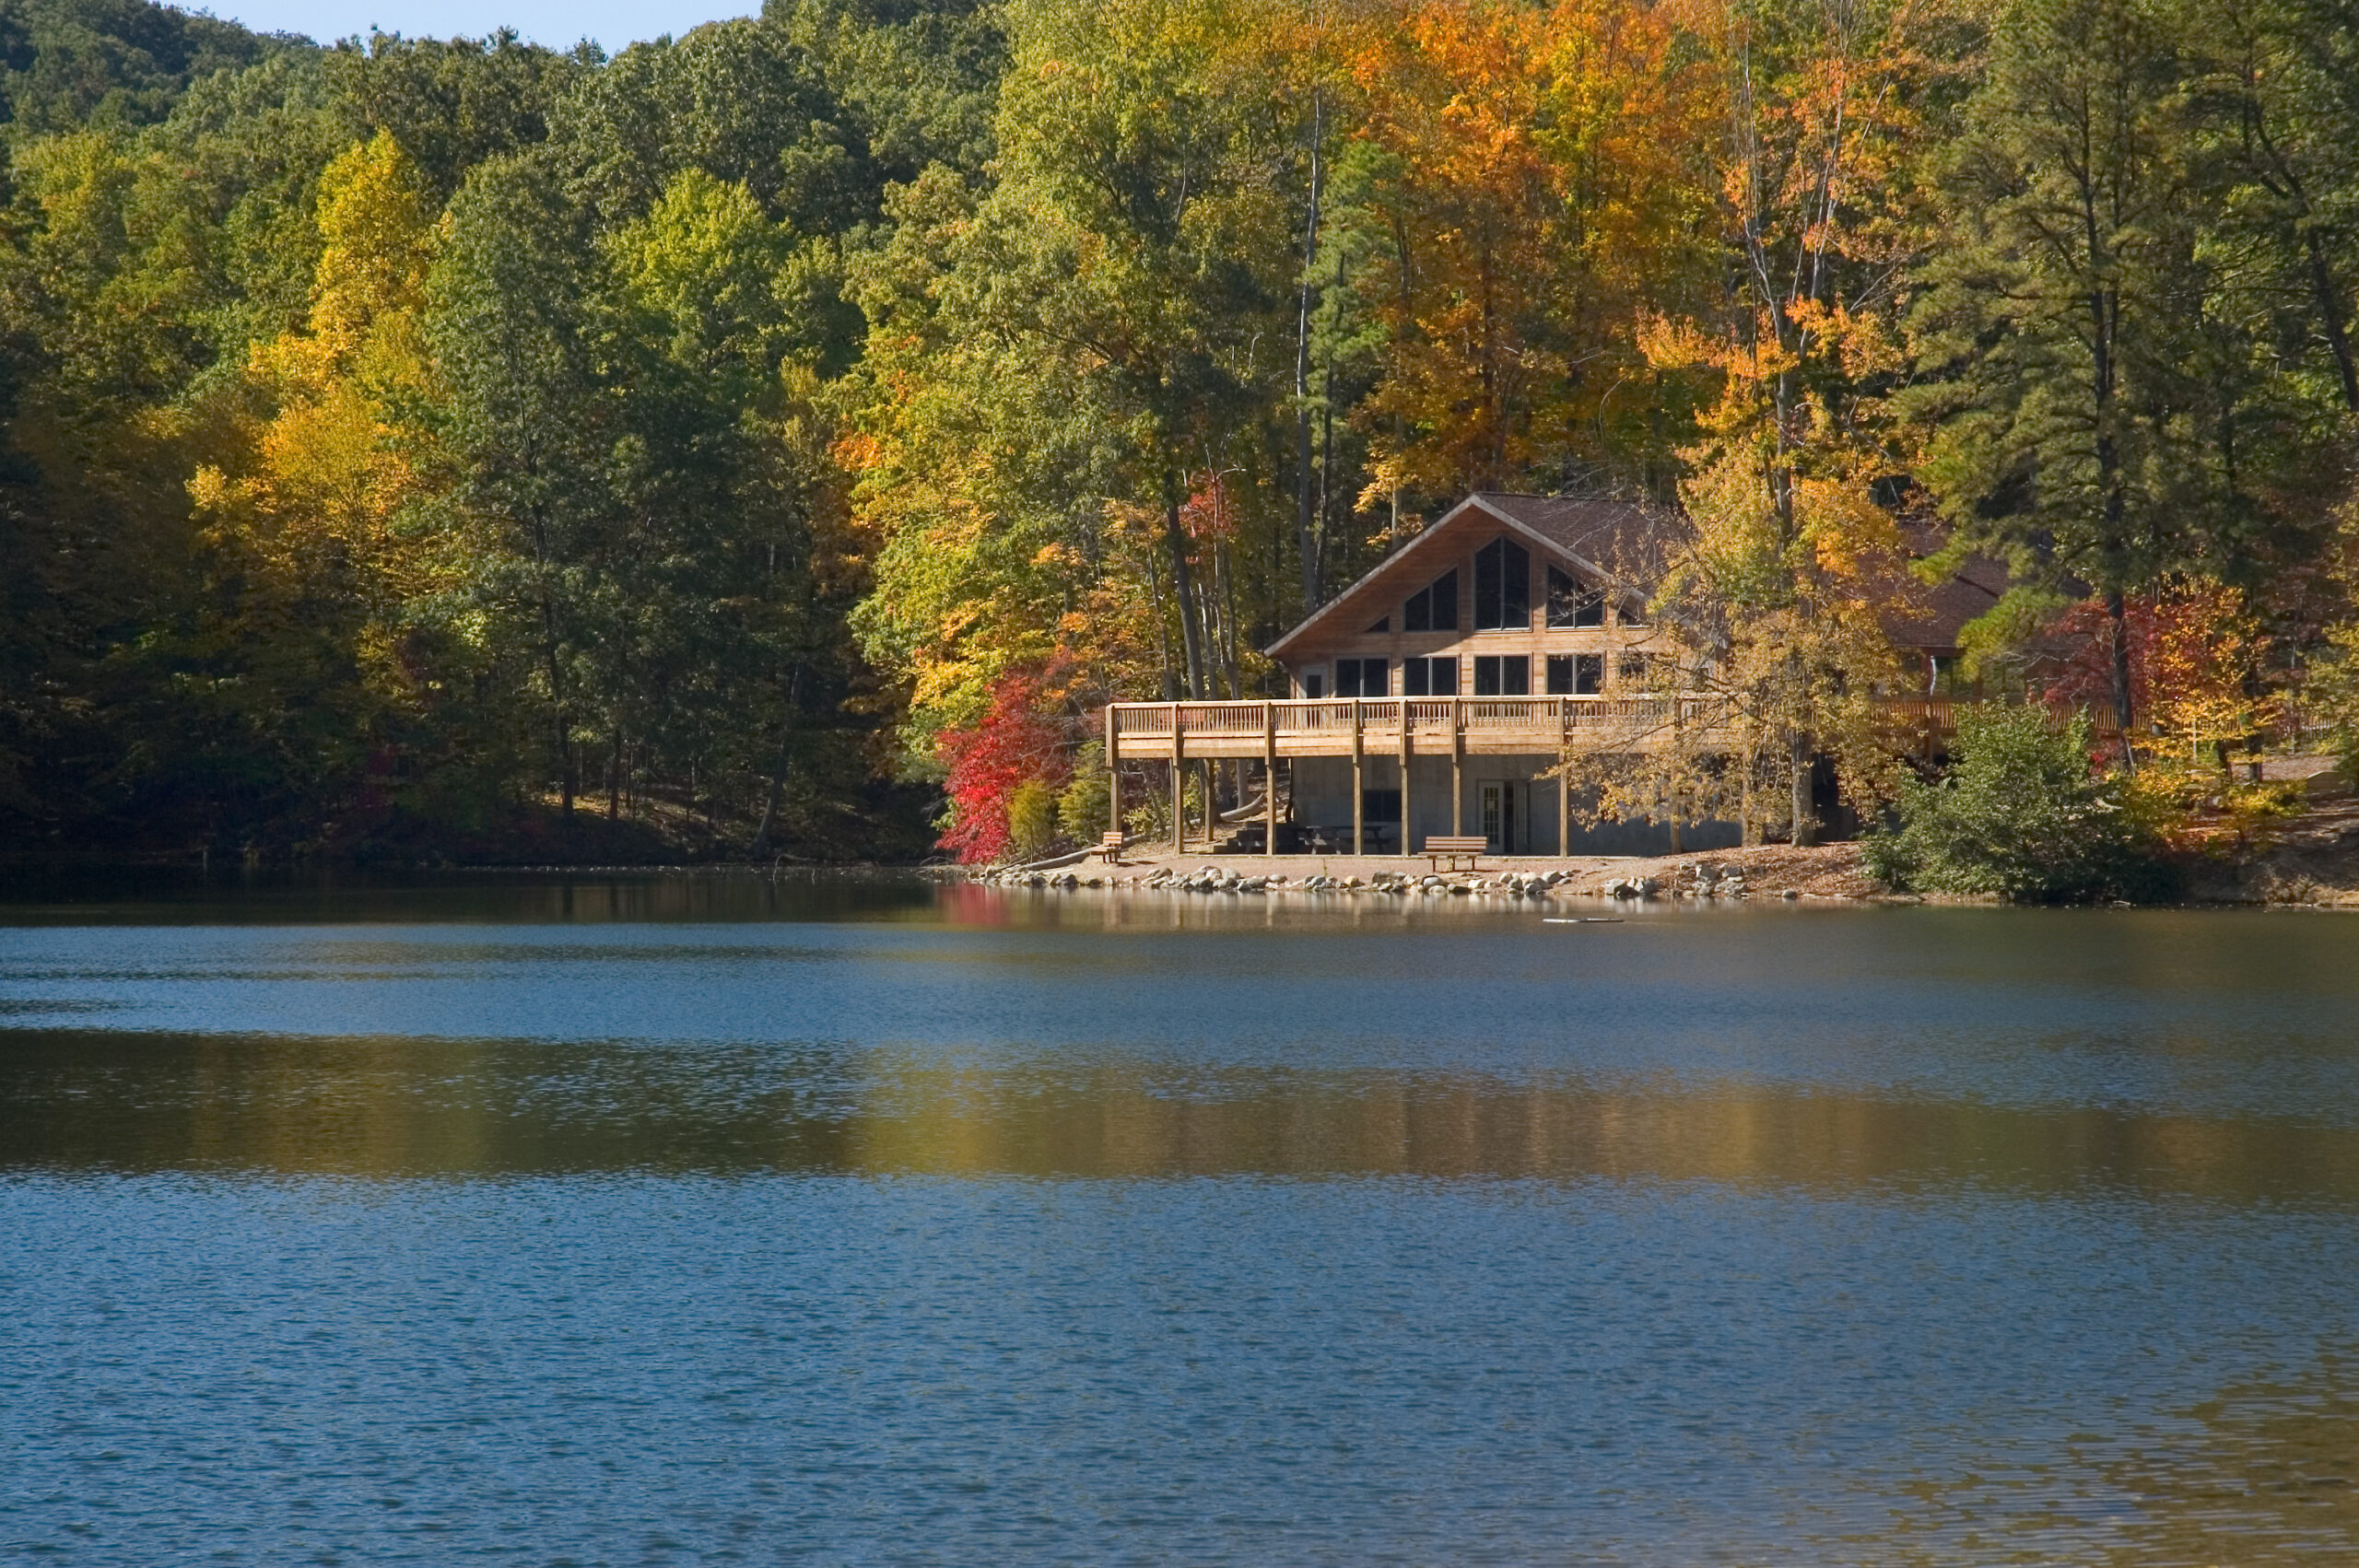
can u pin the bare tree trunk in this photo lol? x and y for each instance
(1175, 540)
(2338, 335)
(1229, 632)
(1797, 756)
(1748, 828)
(2104, 316)
(2117, 618)
(778, 775)
(561, 721)
(1678, 745)
(1306, 533)
(1171, 683)
(769, 812)
(565, 764)
(1326, 530)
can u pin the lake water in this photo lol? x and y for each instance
(720, 1219)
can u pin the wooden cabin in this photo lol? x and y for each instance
(1434, 695)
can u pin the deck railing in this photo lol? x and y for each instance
(1336, 717)
(1428, 718)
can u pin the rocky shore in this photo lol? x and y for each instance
(1831, 872)
(2312, 861)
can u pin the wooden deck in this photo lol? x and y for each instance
(1441, 726)
(1179, 734)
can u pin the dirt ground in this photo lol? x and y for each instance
(2313, 859)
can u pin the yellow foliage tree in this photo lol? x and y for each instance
(2202, 668)
(323, 462)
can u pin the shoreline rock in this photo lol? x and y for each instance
(2314, 863)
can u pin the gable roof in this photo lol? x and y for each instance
(1618, 541)
(1612, 541)
(1621, 542)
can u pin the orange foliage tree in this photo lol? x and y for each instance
(1524, 185)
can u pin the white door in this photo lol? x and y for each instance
(1503, 812)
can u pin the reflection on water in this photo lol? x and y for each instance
(686, 1220)
(377, 1107)
(2261, 1467)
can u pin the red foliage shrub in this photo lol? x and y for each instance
(2194, 651)
(2085, 678)
(1026, 734)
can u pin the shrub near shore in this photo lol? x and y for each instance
(2022, 814)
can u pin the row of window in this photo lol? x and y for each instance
(1503, 597)
(1568, 675)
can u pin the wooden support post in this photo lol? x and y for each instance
(1456, 765)
(1407, 746)
(1678, 717)
(1178, 788)
(1113, 773)
(1359, 796)
(1563, 781)
(1269, 780)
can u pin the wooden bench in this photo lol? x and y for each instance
(1110, 846)
(1455, 848)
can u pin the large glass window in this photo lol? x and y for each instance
(1433, 608)
(1502, 675)
(1361, 677)
(1429, 677)
(1576, 674)
(1571, 605)
(1502, 587)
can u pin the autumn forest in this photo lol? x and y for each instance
(779, 438)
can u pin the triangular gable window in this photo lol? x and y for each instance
(1433, 608)
(1383, 624)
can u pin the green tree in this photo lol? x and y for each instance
(454, 103)
(529, 422)
(2103, 404)
(2276, 86)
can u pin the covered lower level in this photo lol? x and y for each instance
(1383, 776)
(1512, 800)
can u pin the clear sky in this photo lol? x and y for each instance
(558, 23)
